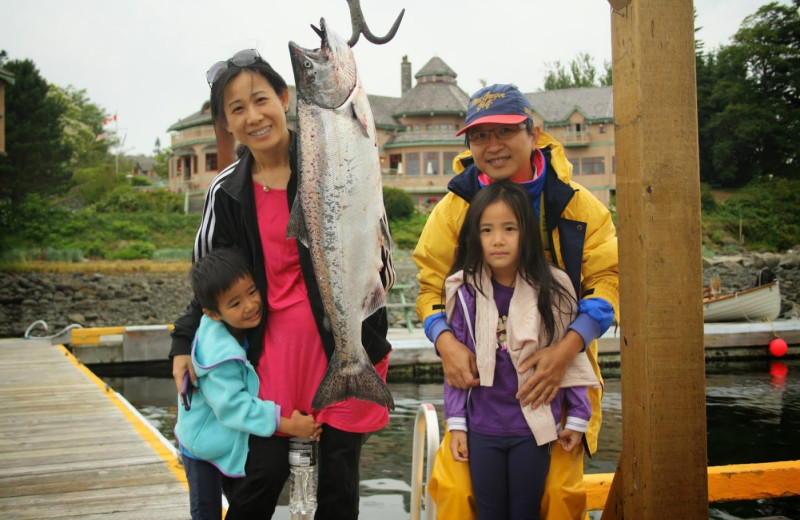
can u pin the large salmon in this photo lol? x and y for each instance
(338, 212)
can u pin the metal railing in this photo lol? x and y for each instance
(426, 431)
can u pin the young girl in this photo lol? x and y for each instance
(504, 301)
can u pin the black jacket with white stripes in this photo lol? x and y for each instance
(229, 220)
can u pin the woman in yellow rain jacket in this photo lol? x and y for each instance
(579, 236)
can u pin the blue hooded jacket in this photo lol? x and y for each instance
(225, 408)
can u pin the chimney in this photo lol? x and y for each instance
(405, 76)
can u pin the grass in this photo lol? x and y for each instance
(97, 266)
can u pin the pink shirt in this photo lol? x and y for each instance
(293, 362)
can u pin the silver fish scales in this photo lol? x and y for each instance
(339, 213)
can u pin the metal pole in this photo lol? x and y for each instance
(426, 429)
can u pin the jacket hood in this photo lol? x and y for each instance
(224, 346)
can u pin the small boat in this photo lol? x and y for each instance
(757, 304)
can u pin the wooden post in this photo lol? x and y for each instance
(664, 454)
(225, 146)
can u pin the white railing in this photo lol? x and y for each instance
(426, 431)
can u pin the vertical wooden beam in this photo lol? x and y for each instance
(225, 146)
(664, 455)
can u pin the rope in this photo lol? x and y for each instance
(46, 328)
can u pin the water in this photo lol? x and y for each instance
(753, 411)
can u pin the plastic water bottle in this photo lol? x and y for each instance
(303, 485)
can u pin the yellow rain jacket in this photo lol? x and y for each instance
(581, 239)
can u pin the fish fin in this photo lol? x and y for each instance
(296, 227)
(344, 380)
(363, 113)
(374, 300)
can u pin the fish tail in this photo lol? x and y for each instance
(343, 382)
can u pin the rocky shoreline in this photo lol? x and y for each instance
(104, 300)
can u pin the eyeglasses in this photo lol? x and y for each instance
(502, 133)
(240, 59)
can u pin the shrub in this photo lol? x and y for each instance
(125, 199)
(398, 203)
(134, 251)
(708, 204)
(766, 210)
(173, 254)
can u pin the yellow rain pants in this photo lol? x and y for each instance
(564, 493)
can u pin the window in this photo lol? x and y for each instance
(432, 163)
(412, 164)
(211, 162)
(448, 157)
(593, 165)
(576, 166)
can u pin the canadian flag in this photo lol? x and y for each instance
(110, 120)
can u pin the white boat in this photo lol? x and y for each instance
(756, 304)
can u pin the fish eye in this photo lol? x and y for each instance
(307, 64)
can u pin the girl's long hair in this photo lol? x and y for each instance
(532, 265)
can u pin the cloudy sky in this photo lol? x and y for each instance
(145, 60)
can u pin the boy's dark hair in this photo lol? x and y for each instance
(532, 264)
(217, 272)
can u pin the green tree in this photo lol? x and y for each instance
(162, 156)
(37, 155)
(581, 72)
(755, 128)
(83, 127)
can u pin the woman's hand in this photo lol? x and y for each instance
(458, 446)
(551, 364)
(300, 425)
(180, 365)
(458, 362)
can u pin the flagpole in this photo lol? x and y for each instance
(116, 134)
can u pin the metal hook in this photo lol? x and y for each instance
(360, 25)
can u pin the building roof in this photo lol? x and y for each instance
(7, 76)
(382, 109)
(432, 138)
(432, 98)
(435, 66)
(441, 95)
(555, 106)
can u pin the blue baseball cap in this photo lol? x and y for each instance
(503, 104)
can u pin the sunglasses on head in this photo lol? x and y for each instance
(240, 59)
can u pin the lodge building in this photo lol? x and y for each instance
(416, 135)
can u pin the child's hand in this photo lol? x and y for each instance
(569, 439)
(300, 425)
(458, 446)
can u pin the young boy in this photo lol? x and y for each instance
(579, 237)
(216, 422)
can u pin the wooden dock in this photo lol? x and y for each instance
(71, 448)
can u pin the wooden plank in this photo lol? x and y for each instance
(663, 461)
(725, 483)
(72, 448)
